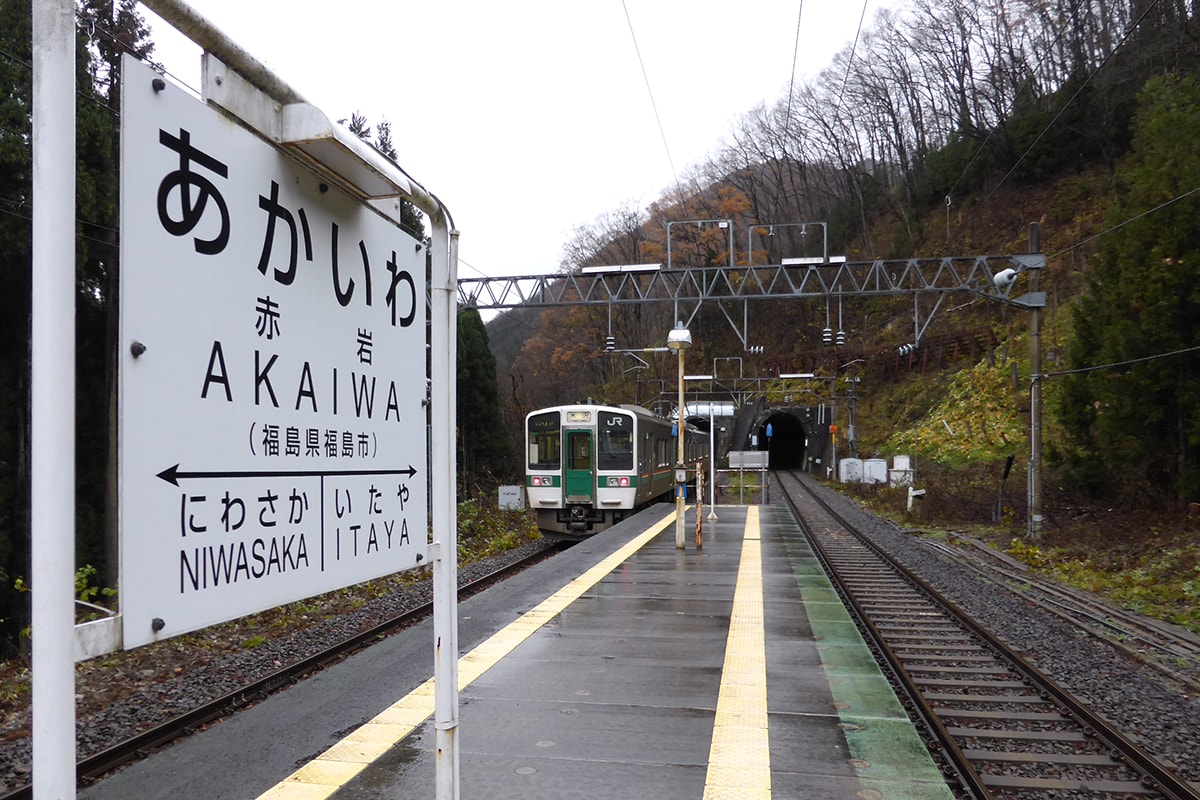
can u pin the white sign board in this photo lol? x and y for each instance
(749, 459)
(272, 377)
(512, 497)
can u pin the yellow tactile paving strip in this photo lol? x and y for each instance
(739, 761)
(328, 772)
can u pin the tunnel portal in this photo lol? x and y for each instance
(784, 437)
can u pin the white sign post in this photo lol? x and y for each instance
(272, 384)
(52, 392)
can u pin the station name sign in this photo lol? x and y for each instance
(272, 393)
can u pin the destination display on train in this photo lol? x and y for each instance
(272, 388)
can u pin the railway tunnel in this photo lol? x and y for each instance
(795, 437)
(783, 435)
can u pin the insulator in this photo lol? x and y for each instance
(841, 338)
(610, 343)
(827, 336)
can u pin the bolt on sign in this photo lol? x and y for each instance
(272, 361)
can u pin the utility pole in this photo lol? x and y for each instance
(1035, 396)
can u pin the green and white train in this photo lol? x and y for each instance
(590, 466)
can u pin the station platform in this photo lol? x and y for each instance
(623, 668)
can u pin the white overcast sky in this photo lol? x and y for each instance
(530, 117)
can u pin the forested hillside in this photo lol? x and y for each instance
(946, 129)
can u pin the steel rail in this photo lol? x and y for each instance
(1162, 777)
(95, 766)
(1159, 640)
(957, 767)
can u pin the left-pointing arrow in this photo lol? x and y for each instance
(173, 475)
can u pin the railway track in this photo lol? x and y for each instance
(1002, 727)
(95, 766)
(1172, 651)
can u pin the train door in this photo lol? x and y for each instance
(579, 482)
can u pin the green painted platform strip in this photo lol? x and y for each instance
(888, 756)
(852, 659)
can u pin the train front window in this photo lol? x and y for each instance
(545, 442)
(614, 447)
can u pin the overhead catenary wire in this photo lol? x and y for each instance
(18, 214)
(1082, 86)
(23, 209)
(1116, 364)
(24, 216)
(463, 263)
(1118, 226)
(853, 50)
(91, 98)
(795, 54)
(15, 59)
(650, 91)
(1028, 80)
(155, 65)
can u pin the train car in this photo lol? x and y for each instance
(590, 466)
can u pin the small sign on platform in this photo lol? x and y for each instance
(512, 497)
(749, 459)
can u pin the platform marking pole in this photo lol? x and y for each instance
(320, 778)
(739, 760)
(52, 401)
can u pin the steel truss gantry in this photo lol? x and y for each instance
(732, 285)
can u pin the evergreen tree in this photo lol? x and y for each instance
(410, 217)
(1136, 427)
(16, 207)
(482, 439)
(113, 27)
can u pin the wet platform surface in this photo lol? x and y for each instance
(624, 668)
